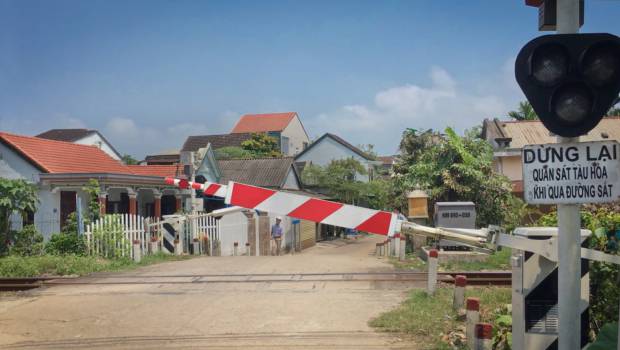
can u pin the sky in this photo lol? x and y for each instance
(147, 74)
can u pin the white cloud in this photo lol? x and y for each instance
(444, 103)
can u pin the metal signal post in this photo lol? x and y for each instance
(569, 226)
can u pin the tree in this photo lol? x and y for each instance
(15, 196)
(369, 150)
(453, 168)
(261, 145)
(339, 180)
(614, 112)
(524, 112)
(129, 160)
(232, 152)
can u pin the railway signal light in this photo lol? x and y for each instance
(571, 80)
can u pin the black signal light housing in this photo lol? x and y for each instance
(571, 80)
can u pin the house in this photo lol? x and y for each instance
(82, 137)
(61, 169)
(170, 157)
(193, 143)
(331, 147)
(273, 173)
(387, 164)
(284, 127)
(508, 138)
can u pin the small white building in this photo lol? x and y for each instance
(284, 127)
(82, 137)
(331, 147)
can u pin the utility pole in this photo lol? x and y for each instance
(569, 226)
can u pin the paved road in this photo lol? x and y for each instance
(283, 315)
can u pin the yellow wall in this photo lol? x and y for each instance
(510, 167)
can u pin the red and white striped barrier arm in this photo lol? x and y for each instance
(298, 206)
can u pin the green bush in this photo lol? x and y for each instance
(27, 242)
(68, 241)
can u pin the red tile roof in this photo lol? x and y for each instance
(263, 122)
(55, 157)
(63, 157)
(157, 170)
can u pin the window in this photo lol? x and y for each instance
(285, 145)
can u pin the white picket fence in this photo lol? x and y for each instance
(112, 235)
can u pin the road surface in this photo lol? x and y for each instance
(283, 315)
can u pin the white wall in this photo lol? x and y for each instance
(95, 140)
(291, 182)
(297, 136)
(16, 162)
(233, 228)
(326, 150)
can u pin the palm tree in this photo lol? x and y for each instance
(524, 112)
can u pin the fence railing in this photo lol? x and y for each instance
(112, 236)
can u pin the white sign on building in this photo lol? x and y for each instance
(584, 172)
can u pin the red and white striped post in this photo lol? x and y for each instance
(433, 256)
(483, 336)
(460, 282)
(472, 317)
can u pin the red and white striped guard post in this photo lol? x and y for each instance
(297, 206)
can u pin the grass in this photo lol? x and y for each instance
(63, 265)
(500, 260)
(428, 318)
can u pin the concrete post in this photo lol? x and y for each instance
(431, 283)
(247, 248)
(235, 248)
(402, 247)
(137, 252)
(178, 248)
(133, 203)
(378, 249)
(383, 248)
(472, 317)
(196, 247)
(157, 206)
(103, 198)
(483, 336)
(397, 245)
(154, 247)
(459, 292)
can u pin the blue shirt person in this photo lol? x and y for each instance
(276, 234)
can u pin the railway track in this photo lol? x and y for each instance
(497, 278)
